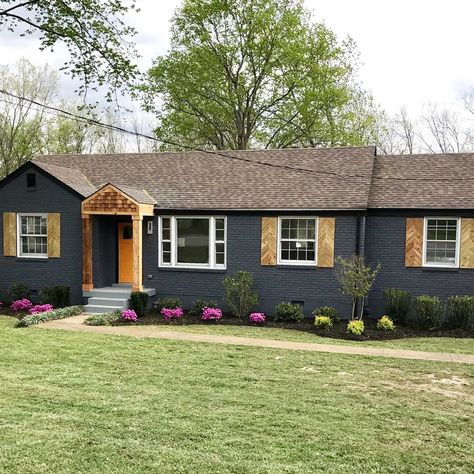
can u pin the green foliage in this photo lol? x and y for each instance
(61, 313)
(356, 280)
(57, 296)
(167, 302)
(328, 311)
(239, 295)
(139, 302)
(92, 31)
(18, 291)
(385, 324)
(105, 319)
(323, 322)
(397, 303)
(256, 73)
(460, 311)
(356, 327)
(429, 312)
(198, 306)
(288, 312)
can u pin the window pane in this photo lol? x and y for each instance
(193, 240)
(441, 241)
(219, 259)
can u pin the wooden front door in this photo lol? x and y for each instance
(125, 251)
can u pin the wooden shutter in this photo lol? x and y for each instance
(414, 242)
(54, 235)
(326, 235)
(269, 241)
(9, 234)
(467, 243)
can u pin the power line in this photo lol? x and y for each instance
(97, 123)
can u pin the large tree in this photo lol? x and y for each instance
(93, 31)
(249, 73)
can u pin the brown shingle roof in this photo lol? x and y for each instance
(330, 178)
(444, 181)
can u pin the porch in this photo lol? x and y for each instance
(117, 213)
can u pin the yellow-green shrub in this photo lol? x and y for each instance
(323, 322)
(385, 324)
(355, 327)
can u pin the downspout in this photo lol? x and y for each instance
(360, 245)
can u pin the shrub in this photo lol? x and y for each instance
(105, 319)
(139, 302)
(323, 322)
(328, 311)
(356, 327)
(21, 305)
(172, 313)
(257, 318)
(41, 308)
(238, 294)
(429, 311)
(460, 311)
(385, 324)
(167, 302)
(288, 312)
(129, 315)
(209, 314)
(397, 304)
(19, 291)
(50, 315)
(58, 296)
(198, 307)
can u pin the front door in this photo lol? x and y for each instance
(125, 251)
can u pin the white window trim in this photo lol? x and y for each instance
(19, 235)
(306, 263)
(425, 242)
(212, 243)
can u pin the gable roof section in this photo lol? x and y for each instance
(431, 181)
(284, 179)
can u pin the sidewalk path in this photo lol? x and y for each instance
(75, 323)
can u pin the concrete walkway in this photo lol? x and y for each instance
(75, 323)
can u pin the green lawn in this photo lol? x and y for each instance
(88, 403)
(431, 344)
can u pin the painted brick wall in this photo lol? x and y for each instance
(385, 243)
(48, 197)
(314, 286)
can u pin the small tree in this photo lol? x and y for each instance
(238, 294)
(356, 280)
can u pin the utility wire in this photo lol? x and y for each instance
(97, 123)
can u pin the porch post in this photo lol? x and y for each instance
(87, 278)
(137, 284)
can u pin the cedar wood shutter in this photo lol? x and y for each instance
(54, 235)
(9, 234)
(326, 233)
(467, 243)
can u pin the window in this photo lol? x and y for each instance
(33, 235)
(441, 242)
(297, 240)
(194, 242)
(31, 180)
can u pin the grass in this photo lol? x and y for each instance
(89, 403)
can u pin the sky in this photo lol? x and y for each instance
(412, 51)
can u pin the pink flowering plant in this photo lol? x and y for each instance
(257, 318)
(172, 313)
(21, 305)
(41, 308)
(211, 314)
(129, 315)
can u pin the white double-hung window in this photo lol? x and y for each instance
(297, 240)
(441, 242)
(32, 235)
(193, 242)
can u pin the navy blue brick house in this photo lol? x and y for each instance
(175, 224)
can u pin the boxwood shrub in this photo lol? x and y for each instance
(429, 312)
(397, 304)
(288, 312)
(57, 296)
(139, 302)
(167, 302)
(460, 311)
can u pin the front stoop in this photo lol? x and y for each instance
(110, 298)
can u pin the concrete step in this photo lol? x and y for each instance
(98, 309)
(119, 303)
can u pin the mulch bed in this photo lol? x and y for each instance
(338, 331)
